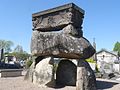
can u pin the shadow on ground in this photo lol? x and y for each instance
(101, 85)
(105, 85)
(52, 84)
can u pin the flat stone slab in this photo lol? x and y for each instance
(60, 45)
(57, 18)
(10, 72)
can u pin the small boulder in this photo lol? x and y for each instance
(43, 72)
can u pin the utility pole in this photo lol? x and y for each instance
(94, 56)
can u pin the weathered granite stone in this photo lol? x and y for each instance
(57, 18)
(66, 74)
(60, 44)
(43, 72)
(70, 29)
(89, 79)
(29, 74)
(58, 33)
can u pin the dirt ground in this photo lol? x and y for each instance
(18, 83)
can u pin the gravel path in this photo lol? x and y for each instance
(18, 83)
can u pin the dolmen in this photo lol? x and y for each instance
(59, 49)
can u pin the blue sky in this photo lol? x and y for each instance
(101, 21)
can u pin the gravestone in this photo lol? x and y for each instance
(57, 33)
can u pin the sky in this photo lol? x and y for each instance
(101, 20)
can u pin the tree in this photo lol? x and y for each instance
(19, 53)
(117, 47)
(6, 45)
(18, 49)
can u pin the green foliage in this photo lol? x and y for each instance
(117, 47)
(55, 67)
(28, 63)
(96, 68)
(18, 48)
(90, 60)
(6, 45)
(19, 53)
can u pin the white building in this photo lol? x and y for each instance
(108, 61)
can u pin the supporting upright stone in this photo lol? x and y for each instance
(80, 76)
(30, 73)
(52, 62)
(85, 76)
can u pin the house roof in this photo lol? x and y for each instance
(115, 53)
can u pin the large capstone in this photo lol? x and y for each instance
(60, 44)
(58, 32)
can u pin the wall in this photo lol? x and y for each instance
(105, 57)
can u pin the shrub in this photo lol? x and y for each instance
(28, 63)
(90, 60)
